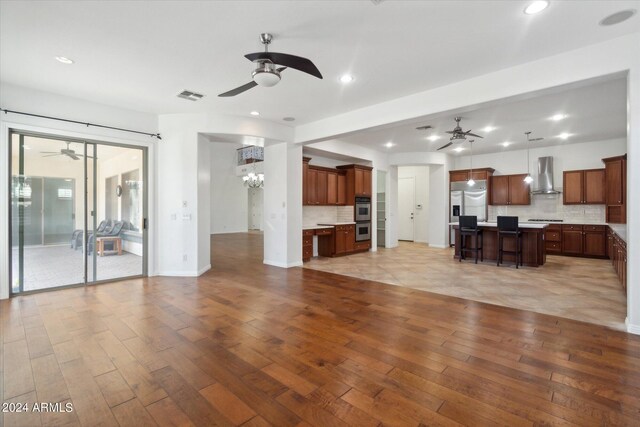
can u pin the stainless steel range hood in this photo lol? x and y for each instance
(545, 177)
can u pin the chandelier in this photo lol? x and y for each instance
(253, 180)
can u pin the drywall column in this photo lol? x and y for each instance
(178, 191)
(283, 205)
(204, 204)
(392, 208)
(633, 199)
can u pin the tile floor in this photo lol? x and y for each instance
(52, 266)
(575, 288)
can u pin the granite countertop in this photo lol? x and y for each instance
(620, 230)
(315, 227)
(331, 224)
(536, 225)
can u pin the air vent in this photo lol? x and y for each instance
(376, 2)
(191, 96)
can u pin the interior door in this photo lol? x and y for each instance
(406, 204)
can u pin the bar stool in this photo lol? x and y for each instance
(469, 227)
(508, 227)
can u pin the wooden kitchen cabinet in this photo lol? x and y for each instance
(459, 176)
(332, 188)
(359, 181)
(345, 239)
(616, 188)
(617, 251)
(572, 240)
(510, 190)
(553, 239)
(584, 240)
(322, 186)
(342, 189)
(583, 187)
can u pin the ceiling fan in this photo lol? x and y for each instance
(64, 152)
(458, 135)
(267, 73)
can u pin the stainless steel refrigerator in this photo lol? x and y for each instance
(467, 199)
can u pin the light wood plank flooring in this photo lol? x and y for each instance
(577, 288)
(247, 344)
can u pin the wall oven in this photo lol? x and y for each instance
(363, 231)
(363, 209)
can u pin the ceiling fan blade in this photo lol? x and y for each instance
(536, 139)
(73, 156)
(297, 62)
(52, 155)
(445, 146)
(49, 152)
(239, 89)
(473, 134)
(451, 132)
(424, 127)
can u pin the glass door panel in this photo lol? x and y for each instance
(77, 212)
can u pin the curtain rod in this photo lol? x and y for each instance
(153, 135)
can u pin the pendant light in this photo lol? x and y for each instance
(528, 179)
(471, 182)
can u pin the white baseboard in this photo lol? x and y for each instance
(178, 273)
(632, 329)
(432, 245)
(204, 269)
(230, 231)
(420, 241)
(282, 264)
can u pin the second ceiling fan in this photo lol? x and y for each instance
(267, 72)
(458, 135)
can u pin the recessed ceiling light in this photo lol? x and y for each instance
(433, 138)
(536, 7)
(505, 144)
(488, 128)
(346, 78)
(254, 113)
(564, 135)
(458, 149)
(389, 144)
(617, 17)
(64, 60)
(558, 117)
(288, 119)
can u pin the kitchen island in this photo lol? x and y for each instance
(533, 250)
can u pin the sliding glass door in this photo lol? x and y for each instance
(77, 212)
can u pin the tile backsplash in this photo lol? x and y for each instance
(551, 207)
(312, 215)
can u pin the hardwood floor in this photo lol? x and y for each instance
(253, 345)
(584, 289)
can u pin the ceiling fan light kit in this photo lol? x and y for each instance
(267, 72)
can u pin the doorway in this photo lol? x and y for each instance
(255, 204)
(77, 212)
(381, 208)
(406, 203)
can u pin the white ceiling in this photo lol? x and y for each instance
(140, 54)
(594, 112)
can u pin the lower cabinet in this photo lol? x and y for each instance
(617, 250)
(345, 239)
(576, 240)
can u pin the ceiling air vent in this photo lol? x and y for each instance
(191, 96)
(376, 2)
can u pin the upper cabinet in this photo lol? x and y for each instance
(616, 188)
(465, 174)
(334, 187)
(359, 181)
(584, 187)
(510, 190)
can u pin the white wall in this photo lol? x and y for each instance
(420, 214)
(229, 196)
(43, 103)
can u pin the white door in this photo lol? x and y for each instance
(406, 205)
(255, 209)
